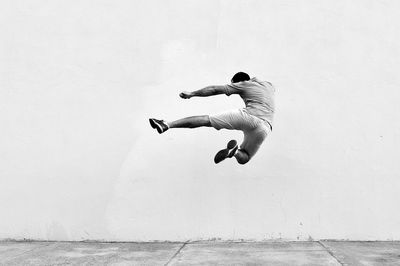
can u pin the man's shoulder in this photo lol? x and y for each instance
(259, 81)
(249, 84)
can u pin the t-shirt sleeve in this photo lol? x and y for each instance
(233, 88)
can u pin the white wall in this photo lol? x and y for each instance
(78, 80)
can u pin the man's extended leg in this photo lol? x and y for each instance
(187, 122)
(191, 122)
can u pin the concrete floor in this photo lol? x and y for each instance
(200, 253)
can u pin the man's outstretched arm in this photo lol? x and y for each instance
(204, 92)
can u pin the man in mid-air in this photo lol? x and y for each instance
(255, 120)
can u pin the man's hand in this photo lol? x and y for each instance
(186, 95)
(204, 92)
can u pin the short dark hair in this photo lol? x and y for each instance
(240, 76)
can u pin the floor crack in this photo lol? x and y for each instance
(331, 253)
(27, 251)
(176, 253)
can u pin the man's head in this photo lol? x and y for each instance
(240, 76)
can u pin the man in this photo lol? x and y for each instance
(255, 120)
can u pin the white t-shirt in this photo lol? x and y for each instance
(257, 95)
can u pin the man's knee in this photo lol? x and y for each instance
(242, 157)
(243, 161)
(207, 121)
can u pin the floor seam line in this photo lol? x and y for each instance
(331, 253)
(26, 252)
(176, 253)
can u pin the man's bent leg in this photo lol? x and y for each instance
(191, 122)
(251, 143)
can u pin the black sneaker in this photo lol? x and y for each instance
(159, 125)
(230, 150)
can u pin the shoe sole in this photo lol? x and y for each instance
(226, 153)
(155, 125)
(232, 146)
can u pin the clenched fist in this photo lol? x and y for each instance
(186, 95)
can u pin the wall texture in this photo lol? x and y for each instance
(78, 80)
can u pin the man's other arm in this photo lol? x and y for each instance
(204, 92)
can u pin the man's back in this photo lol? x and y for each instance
(257, 95)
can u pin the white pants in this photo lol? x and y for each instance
(255, 130)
